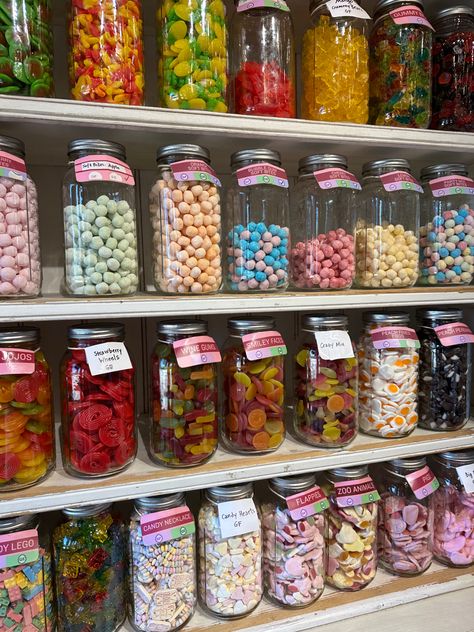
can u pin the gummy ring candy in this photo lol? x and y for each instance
(95, 462)
(111, 434)
(93, 417)
(25, 390)
(10, 464)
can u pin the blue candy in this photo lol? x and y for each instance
(443, 252)
(275, 253)
(284, 262)
(455, 253)
(252, 226)
(261, 228)
(243, 244)
(239, 271)
(459, 219)
(457, 269)
(254, 247)
(260, 276)
(255, 236)
(248, 254)
(249, 274)
(276, 265)
(438, 221)
(269, 260)
(284, 242)
(463, 212)
(431, 236)
(440, 276)
(282, 233)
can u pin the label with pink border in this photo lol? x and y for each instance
(12, 167)
(103, 168)
(395, 338)
(346, 8)
(17, 361)
(262, 173)
(422, 482)
(452, 185)
(400, 181)
(264, 344)
(454, 334)
(195, 351)
(359, 492)
(194, 170)
(307, 503)
(21, 547)
(410, 14)
(336, 179)
(163, 526)
(246, 5)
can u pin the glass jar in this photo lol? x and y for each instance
(400, 65)
(106, 51)
(253, 413)
(388, 377)
(322, 255)
(406, 520)
(98, 411)
(263, 60)
(90, 569)
(192, 47)
(29, 594)
(352, 533)
(184, 400)
(26, 411)
(294, 551)
(100, 235)
(163, 573)
(453, 69)
(387, 226)
(258, 218)
(335, 50)
(26, 48)
(185, 213)
(447, 226)
(445, 384)
(453, 511)
(325, 407)
(230, 568)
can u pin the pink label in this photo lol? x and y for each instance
(195, 351)
(264, 344)
(17, 548)
(454, 334)
(307, 503)
(17, 361)
(163, 526)
(103, 168)
(359, 492)
(187, 170)
(410, 14)
(246, 5)
(12, 167)
(395, 338)
(422, 482)
(263, 173)
(400, 181)
(452, 185)
(336, 179)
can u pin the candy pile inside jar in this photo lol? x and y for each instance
(264, 89)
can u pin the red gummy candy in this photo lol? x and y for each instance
(112, 434)
(95, 462)
(264, 90)
(25, 390)
(94, 417)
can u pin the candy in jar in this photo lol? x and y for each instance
(98, 403)
(90, 574)
(230, 559)
(162, 563)
(293, 541)
(184, 391)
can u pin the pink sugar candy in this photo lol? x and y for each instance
(12, 199)
(7, 274)
(22, 259)
(20, 282)
(14, 230)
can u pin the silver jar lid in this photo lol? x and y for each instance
(229, 492)
(183, 149)
(154, 503)
(410, 464)
(348, 473)
(243, 325)
(454, 459)
(15, 145)
(451, 315)
(453, 12)
(9, 336)
(393, 318)
(96, 146)
(181, 327)
(247, 156)
(385, 4)
(450, 169)
(86, 511)
(15, 523)
(308, 163)
(96, 331)
(394, 164)
(283, 484)
(313, 322)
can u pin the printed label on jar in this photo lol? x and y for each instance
(336, 179)
(197, 170)
(454, 334)
(18, 548)
(307, 503)
(359, 492)
(400, 181)
(264, 344)
(163, 526)
(410, 14)
(17, 361)
(12, 167)
(195, 351)
(237, 517)
(452, 185)
(262, 173)
(395, 338)
(103, 169)
(108, 357)
(334, 345)
(346, 8)
(246, 5)
(466, 476)
(422, 482)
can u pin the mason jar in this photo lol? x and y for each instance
(325, 406)
(326, 196)
(100, 236)
(387, 227)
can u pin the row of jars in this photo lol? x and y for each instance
(386, 386)
(300, 538)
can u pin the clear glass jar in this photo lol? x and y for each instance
(31, 595)
(406, 522)
(453, 511)
(257, 223)
(222, 591)
(100, 234)
(26, 48)
(184, 400)
(98, 411)
(20, 262)
(352, 534)
(453, 69)
(294, 550)
(325, 407)
(90, 553)
(162, 575)
(388, 380)
(447, 226)
(106, 51)
(322, 256)
(445, 384)
(185, 214)
(253, 412)
(262, 60)
(335, 50)
(192, 48)
(400, 65)
(26, 410)
(387, 227)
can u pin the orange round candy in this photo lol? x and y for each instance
(261, 440)
(336, 403)
(232, 422)
(256, 419)
(6, 392)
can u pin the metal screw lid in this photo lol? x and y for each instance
(347, 473)
(427, 315)
(309, 163)
(411, 464)
(181, 327)
(229, 492)
(454, 11)
(450, 169)
(244, 325)
(241, 158)
(371, 168)
(15, 145)
(86, 511)
(96, 145)
(283, 484)
(170, 152)
(393, 318)
(385, 4)
(153, 503)
(15, 523)
(454, 459)
(312, 322)
(9, 336)
(97, 331)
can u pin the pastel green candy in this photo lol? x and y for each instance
(112, 207)
(128, 217)
(96, 277)
(90, 290)
(88, 215)
(171, 422)
(90, 259)
(113, 264)
(109, 277)
(127, 264)
(130, 253)
(69, 210)
(124, 283)
(118, 234)
(118, 254)
(117, 221)
(92, 204)
(75, 270)
(103, 199)
(74, 232)
(102, 288)
(122, 207)
(82, 225)
(90, 270)
(101, 267)
(97, 243)
(123, 245)
(111, 243)
(105, 252)
(101, 210)
(100, 222)
(115, 288)
(105, 232)
(76, 282)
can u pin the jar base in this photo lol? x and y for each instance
(391, 571)
(176, 466)
(19, 486)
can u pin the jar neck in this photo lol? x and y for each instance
(442, 174)
(454, 24)
(18, 523)
(310, 169)
(168, 339)
(83, 153)
(82, 343)
(386, 323)
(151, 505)
(254, 161)
(324, 327)
(13, 152)
(222, 497)
(32, 345)
(346, 475)
(164, 163)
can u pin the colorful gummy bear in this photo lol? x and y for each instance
(264, 89)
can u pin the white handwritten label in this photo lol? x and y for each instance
(346, 8)
(466, 476)
(237, 517)
(334, 345)
(108, 357)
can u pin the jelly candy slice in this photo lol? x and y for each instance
(95, 462)
(10, 464)
(94, 417)
(81, 442)
(112, 433)
(25, 390)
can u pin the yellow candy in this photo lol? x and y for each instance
(178, 30)
(204, 420)
(179, 432)
(182, 69)
(257, 367)
(242, 378)
(269, 373)
(302, 357)
(188, 91)
(183, 12)
(197, 104)
(250, 392)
